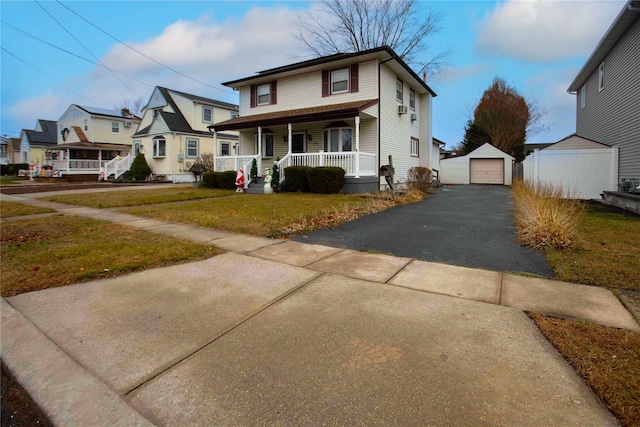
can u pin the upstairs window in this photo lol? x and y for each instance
(339, 81)
(86, 124)
(193, 147)
(412, 99)
(583, 95)
(264, 94)
(601, 77)
(399, 90)
(115, 127)
(159, 147)
(207, 115)
(234, 115)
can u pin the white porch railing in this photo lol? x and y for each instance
(347, 160)
(72, 165)
(117, 166)
(234, 163)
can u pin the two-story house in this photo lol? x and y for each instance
(174, 132)
(35, 144)
(608, 92)
(88, 138)
(351, 110)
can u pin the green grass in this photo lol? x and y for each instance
(13, 209)
(607, 251)
(115, 199)
(56, 251)
(4, 180)
(263, 215)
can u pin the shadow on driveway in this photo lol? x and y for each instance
(466, 225)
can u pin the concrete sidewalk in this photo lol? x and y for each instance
(280, 332)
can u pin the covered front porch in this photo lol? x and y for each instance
(342, 136)
(82, 158)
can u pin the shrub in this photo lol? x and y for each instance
(253, 173)
(296, 178)
(544, 216)
(227, 180)
(275, 180)
(420, 178)
(4, 169)
(139, 170)
(15, 168)
(325, 179)
(210, 180)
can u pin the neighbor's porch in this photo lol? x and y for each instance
(87, 158)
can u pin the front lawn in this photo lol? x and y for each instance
(13, 209)
(56, 251)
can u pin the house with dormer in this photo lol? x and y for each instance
(174, 132)
(351, 110)
(88, 138)
(36, 143)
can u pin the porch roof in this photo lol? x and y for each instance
(91, 146)
(301, 115)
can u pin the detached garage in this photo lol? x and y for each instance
(484, 165)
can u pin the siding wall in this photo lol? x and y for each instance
(98, 128)
(611, 116)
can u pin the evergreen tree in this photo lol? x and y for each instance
(139, 170)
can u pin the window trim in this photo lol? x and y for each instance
(115, 125)
(197, 147)
(204, 109)
(399, 90)
(412, 99)
(415, 147)
(222, 144)
(137, 147)
(156, 147)
(332, 81)
(268, 94)
(326, 143)
(601, 77)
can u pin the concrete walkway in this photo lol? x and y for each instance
(286, 333)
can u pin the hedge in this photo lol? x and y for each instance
(325, 179)
(210, 180)
(296, 179)
(225, 180)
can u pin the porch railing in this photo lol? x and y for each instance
(77, 165)
(117, 166)
(350, 161)
(234, 163)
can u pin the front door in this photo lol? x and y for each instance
(297, 143)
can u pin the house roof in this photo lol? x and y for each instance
(623, 21)
(106, 112)
(91, 146)
(15, 143)
(529, 147)
(383, 54)
(203, 100)
(301, 115)
(47, 136)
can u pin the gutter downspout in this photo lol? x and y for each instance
(380, 115)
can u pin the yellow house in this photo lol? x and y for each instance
(34, 144)
(173, 132)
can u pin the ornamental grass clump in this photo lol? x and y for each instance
(545, 216)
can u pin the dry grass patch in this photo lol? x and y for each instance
(49, 252)
(607, 358)
(545, 219)
(607, 250)
(274, 215)
(116, 199)
(13, 209)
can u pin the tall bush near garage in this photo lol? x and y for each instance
(420, 178)
(139, 170)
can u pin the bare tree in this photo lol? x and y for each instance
(357, 25)
(133, 105)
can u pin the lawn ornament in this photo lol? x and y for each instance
(267, 182)
(101, 175)
(240, 181)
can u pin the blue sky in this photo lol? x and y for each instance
(536, 46)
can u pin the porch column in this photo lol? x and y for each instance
(289, 128)
(215, 148)
(357, 146)
(68, 160)
(259, 160)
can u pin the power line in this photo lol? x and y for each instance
(87, 49)
(11, 27)
(138, 52)
(46, 75)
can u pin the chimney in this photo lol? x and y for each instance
(125, 112)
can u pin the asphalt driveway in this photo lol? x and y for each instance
(466, 225)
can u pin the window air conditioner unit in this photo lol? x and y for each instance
(127, 124)
(414, 117)
(402, 109)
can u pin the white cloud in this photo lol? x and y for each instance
(453, 74)
(48, 106)
(540, 31)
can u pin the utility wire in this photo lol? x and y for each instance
(11, 27)
(46, 75)
(87, 49)
(138, 52)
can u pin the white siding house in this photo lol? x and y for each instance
(348, 110)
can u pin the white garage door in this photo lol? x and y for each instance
(487, 171)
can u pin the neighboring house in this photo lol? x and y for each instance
(35, 144)
(4, 145)
(351, 110)
(484, 165)
(608, 92)
(88, 138)
(173, 132)
(532, 146)
(582, 167)
(13, 151)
